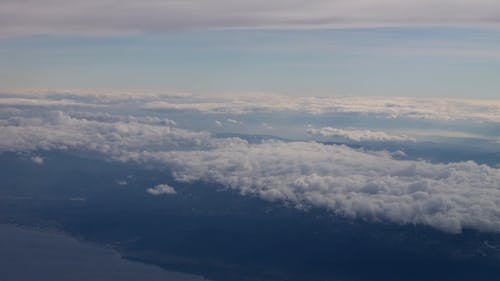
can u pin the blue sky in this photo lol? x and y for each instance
(374, 48)
(388, 61)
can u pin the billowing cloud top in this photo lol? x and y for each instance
(375, 185)
(107, 17)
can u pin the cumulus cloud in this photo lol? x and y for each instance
(161, 189)
(37, 160)
(399, 154)
(58, 130)
(352, 183)
(358, 135)
(107, 17)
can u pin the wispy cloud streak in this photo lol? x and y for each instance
(108, 17)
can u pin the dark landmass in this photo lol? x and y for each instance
(222, 235)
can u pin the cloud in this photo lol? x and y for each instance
(107, 117)
(41, 102)
(352, 183)
(446, 109)
(399, 154)
(58, 130)
(108, 17)
(161, 189)
(355, 183)
(89, 96)
(37, 160)
(228, 121)
(233, 121)
(358, 135)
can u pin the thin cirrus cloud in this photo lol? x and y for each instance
(109, 17)
(354, 183)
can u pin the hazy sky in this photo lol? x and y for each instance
(383, 48)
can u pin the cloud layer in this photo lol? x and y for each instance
(58, 130)
(239, 104)
(358, 135)
(108, 17)
(355, 183)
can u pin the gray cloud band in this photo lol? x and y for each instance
(108, 17)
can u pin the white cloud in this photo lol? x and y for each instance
(375, 186)
(37, 160)
(106, 117)
(358, 135)
(58, 130)
(386, 107)
(107, 17)
(161, 189)
(238, 104)
(233, 121)
(399, 154)
(352, 183)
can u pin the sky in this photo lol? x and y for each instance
(297, 48)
